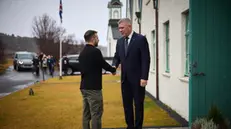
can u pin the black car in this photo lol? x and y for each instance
(73, 65)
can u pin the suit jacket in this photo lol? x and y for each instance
(135, 64)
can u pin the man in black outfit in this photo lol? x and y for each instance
(91, 65)
(36, 65)
(65, 64)
(40, 58)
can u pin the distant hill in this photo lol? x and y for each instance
(15, 43)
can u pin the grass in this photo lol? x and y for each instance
(5, 65)
(57, 104)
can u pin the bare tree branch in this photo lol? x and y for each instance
(49, 34)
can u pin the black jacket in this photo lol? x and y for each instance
(135, 64)
(65, 61)
(91, 65)
(35, 61)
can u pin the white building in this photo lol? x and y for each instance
(103, 50)
(173, 49)
(115, 13)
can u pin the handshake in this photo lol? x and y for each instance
(113, 70)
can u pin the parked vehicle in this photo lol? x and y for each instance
(73, 65)
(23, 60)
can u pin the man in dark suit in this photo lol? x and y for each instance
(132, 52)
(91, 65)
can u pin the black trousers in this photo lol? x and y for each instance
(65, 69)
(133, 92)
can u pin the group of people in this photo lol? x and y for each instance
(132, 53)
(44, 62)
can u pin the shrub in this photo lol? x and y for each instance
(214, 120)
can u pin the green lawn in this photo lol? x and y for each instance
(57, 104)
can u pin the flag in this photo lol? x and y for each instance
(61, 11)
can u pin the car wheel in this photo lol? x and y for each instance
(69, 71)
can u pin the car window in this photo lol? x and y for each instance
(73, 59)
(25, 56)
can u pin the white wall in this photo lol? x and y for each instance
(134, 19)
(111, 43)
(147, 26)
(173, 86)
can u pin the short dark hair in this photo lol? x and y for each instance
(89, 34)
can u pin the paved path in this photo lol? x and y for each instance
(13, 80)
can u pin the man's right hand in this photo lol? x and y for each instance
(114, 73)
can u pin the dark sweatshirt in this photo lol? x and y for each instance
(91, 65)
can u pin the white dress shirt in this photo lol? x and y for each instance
(130, 37)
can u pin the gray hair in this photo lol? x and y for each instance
(126, 20)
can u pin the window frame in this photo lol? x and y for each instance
(187, 44)
(167, 46)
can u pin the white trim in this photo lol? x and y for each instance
(152, 71)
(184, 79)
(166, 75)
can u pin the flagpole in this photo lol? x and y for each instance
(60, 44)
(60, 58)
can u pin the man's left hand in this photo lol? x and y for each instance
(143, 82)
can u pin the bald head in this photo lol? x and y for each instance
(125, 26)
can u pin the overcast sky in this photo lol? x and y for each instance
(78, 16)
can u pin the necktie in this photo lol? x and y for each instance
(126, 45)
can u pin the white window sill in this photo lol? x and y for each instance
(152, 71)
(184, 79)
(166, 75)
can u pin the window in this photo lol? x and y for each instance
(116, 14)
(167, 49)
(131, 8)
(110, 14)
(140, 5)
(73, 60)
(187, 42)
(154, 49)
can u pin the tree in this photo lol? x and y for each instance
(48, 34)
(2, 55)
(44, 27)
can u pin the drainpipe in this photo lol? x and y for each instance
(138, 15)
(139, 26)
(155, 5)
